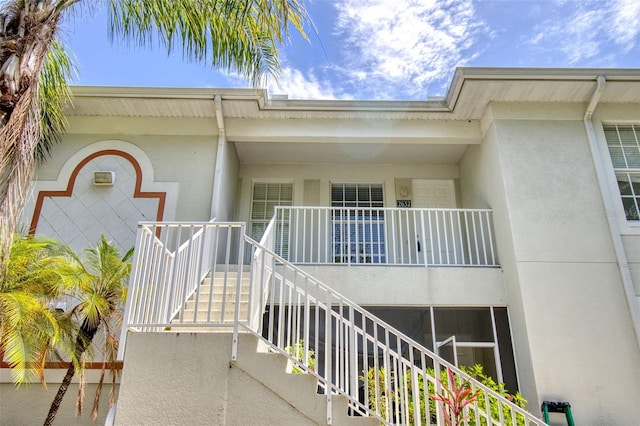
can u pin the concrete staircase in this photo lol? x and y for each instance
(299, 390)
(187, 378)
(206, 305)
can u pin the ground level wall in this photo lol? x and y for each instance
(29, 405)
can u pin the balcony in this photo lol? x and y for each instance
(383, 236)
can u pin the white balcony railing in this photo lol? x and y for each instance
(335, 340)
(329, 235)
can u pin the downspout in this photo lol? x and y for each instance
(621, 256)
(220, 158)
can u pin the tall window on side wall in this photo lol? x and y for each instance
(266, 196)
(623, 142)
(358, 223)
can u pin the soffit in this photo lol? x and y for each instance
(140, 107)
(318, 153)
(155, 102)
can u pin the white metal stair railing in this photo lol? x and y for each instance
(322, 332)
(348, 343)
(393, 236)
(162, 280)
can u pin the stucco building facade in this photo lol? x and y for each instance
(546, 295)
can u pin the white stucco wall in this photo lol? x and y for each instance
(632, 248)
(29, 404)
(181, 150)
(414, 286)
(336, 172)
(580, 338)
(177, 157)
(188, 378)
(482, 186)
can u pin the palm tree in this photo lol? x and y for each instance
(98, 279)
(236, 35)
(28, 328)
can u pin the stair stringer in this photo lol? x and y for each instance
(299, 390)
(185, 378)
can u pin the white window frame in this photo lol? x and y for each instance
(281, 245)
(366, 251)
(631, 227)
(493, 345)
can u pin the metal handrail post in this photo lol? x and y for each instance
(236, 319)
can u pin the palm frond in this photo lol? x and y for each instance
(27, 327)
(236, 35)
(54, 95)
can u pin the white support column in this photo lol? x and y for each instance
(220, 159)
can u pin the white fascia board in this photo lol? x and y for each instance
(168, 93)
(357, 105)
(486, 73)
(463, 74)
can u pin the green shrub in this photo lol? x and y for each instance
(297, 351)
(494, 405)
(387, 397)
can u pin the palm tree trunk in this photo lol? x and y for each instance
(25, 37)
(84, 339)
(55, 405)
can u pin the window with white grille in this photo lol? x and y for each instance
(266, 196)
(623, 142)
(358, 224)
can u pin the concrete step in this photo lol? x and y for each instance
(206, 288)
(208, 300)
(189, 328)
(299, 390)
(216, 315)
(215, 304)
(232, 278)
(231, 282)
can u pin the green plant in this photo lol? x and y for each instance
(495, 406)
(378, 391)
(455, 397)
(297, 351)
(97, 282)
(29, 330)
(383, 392)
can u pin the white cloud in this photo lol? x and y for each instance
(626, 23)
(583, 36)
(296, 85)
(403, 46)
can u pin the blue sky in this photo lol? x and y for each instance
(389, 49)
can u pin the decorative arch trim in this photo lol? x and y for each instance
(137, 193)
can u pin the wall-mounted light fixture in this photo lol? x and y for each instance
(104, 178)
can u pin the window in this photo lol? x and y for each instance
(358, 227)
(623, 142)
(463, 335)
(266, 196)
